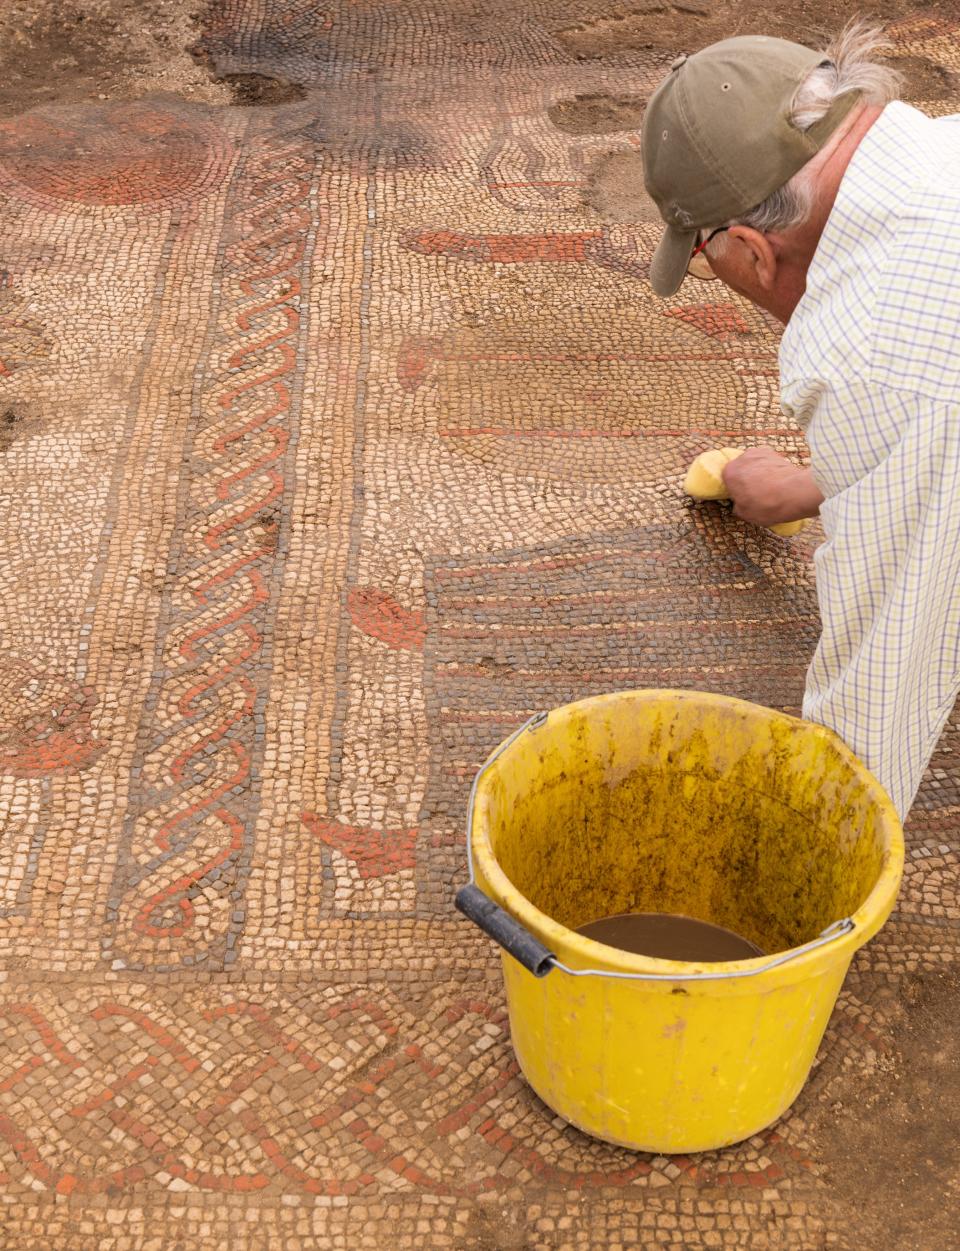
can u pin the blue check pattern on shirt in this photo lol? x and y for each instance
(870, 367)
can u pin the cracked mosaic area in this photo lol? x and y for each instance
(340, 432)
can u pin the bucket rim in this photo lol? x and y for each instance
(803, 960)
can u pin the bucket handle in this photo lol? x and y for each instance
(539, 960)
(505, 930)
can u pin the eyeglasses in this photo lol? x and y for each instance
(699, 266)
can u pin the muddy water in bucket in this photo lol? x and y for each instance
(669, 936)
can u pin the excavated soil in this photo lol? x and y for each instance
(889, 1129)
(691, 24)
(597, 114)
(89, 50)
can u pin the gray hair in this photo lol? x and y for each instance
(848, 65)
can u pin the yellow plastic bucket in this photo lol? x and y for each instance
(676, 801)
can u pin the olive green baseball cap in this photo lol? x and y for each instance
(717, 139)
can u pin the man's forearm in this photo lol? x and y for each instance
(802, 499)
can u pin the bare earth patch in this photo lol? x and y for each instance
(597, 114)
(89, 50)
(689, 24)
(889, 1129)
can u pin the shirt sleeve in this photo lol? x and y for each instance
(886, 671)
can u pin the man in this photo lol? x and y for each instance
(808, 189)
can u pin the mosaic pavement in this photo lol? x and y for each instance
(337, 437)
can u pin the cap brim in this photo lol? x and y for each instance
(670, 260)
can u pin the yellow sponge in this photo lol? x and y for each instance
(704, 481)
(787, 529)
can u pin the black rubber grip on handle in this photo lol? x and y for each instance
(503, 929)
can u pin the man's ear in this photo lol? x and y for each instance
(763, 257)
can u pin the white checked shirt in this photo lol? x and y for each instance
(870, 367)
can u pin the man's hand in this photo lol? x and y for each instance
(766, 488)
